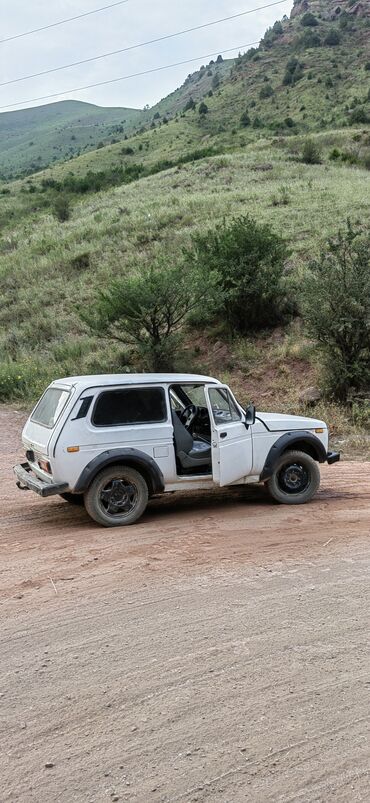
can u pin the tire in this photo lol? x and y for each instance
(295, 480)
(73, 499)
(117, 496)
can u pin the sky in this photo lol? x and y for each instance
(134, 22)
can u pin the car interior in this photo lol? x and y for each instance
(192, 429)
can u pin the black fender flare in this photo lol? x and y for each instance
(130, 457)
(291, 440)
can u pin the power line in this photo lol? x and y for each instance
(126, 77)
(141, 44)
(63, 22)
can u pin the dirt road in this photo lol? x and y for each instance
(217, 651)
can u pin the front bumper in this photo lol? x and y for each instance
(333, 457)
(27, 481)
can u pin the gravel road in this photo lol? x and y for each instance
(217, 651)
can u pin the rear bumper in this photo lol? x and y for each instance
(27, 481)
(333, 457)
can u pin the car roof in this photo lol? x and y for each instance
(106, 380)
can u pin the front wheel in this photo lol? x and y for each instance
(295, 480)
(117, 496)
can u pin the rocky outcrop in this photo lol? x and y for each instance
(300, 7)
(331, 9)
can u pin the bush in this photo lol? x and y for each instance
(148, 309)
(336, 308)
(311, 153)
(266, 92)
(358, 116)
(309, 20)
(248, 261)
(245, 120)
(61, 208)
(309, 39)
(21, 380)
(203, 108)
(332, 38)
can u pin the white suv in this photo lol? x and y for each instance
(114, 441)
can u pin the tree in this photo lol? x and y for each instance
(248, 261)
(203, 108)
(148, 309)
(190, 105)
(336, 309)
(293, 72)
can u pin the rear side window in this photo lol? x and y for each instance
(116, 408)
(50, 407)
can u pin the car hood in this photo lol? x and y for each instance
(281, 423)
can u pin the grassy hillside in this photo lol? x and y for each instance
(33, 138)
(176, 178)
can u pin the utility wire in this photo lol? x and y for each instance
(62, 22)
(141, 44)
(126, 77)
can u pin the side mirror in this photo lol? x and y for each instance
(250, 415)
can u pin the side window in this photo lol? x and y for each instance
(116, 408)
(224, 409)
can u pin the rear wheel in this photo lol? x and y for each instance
(295, 480)
(117, 496)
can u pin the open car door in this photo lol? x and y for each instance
(231, 438)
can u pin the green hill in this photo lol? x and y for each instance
(181, 172)
(33, 138)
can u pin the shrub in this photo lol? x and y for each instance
(203, 108)
(61, 208)
(358, 116)
(309, 39)
(266, 92)
(336, 308)
(21, 380)
(332, 38)
(148, 309)
(367, 66)
(311, 153)
(248, 261)
(309, 20)
(245, 120)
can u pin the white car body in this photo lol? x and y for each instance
(63, 454)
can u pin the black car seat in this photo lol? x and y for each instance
(190, 453)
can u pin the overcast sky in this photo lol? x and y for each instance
(125, 25)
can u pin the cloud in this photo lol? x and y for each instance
(137, 21)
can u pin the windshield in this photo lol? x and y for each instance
(50, 407)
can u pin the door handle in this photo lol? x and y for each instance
(223, 434)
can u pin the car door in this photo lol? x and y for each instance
(231, 438)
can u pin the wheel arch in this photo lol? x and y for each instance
(133, 458)
(299, 440)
